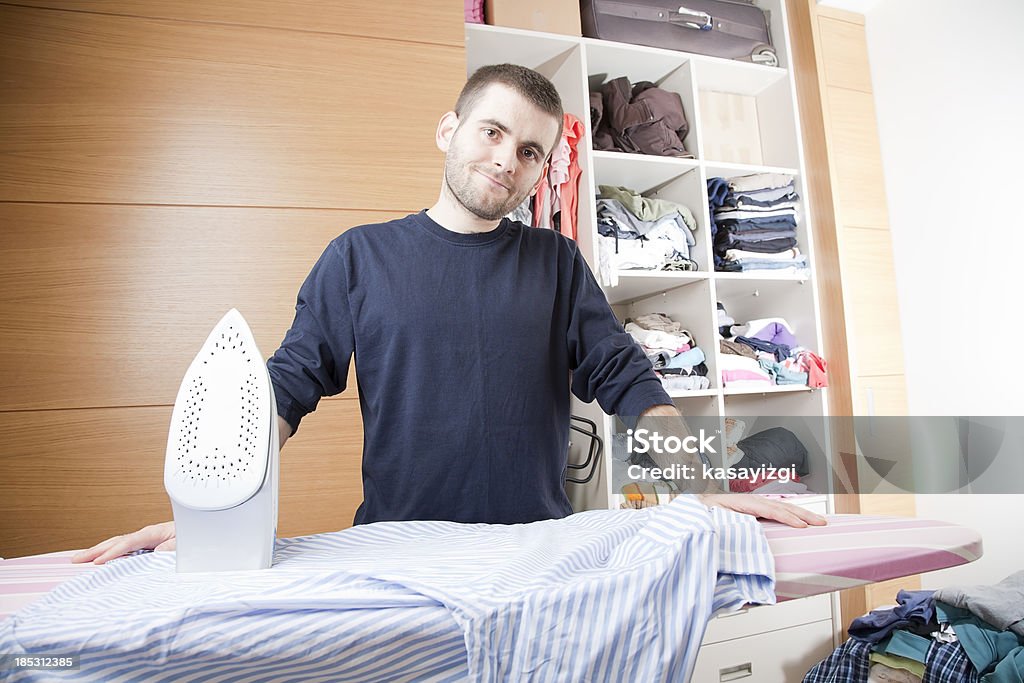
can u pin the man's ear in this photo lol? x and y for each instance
(445, 130)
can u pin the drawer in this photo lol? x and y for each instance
(819, 505)
(758, 619)
(777, 657)
(816, 503)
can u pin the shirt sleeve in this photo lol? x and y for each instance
(313, 359)
(607, 364)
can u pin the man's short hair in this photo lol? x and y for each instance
(537, 90)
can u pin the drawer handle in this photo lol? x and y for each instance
(735, 673)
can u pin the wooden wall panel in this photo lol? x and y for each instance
(819, 189)
(848, 200)
(74, 477)
(120, 298)
(888, 394)
(424, 21)
(845, 54)
(884, 594)
(857, 159)
(160, 163)
(115, 109)
(869, 278)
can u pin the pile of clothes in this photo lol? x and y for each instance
(765, 352)
(777, 448)
(677, 360)
(753, 224)
(640, 119)
(638, 232)
(952, 635)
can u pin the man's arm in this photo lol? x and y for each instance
(666, 420)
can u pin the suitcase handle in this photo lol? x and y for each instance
(683, 17)
(703, 22)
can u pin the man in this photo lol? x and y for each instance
(465, 328)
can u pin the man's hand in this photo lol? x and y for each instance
(667, 421)
(152, 537)
(765, 508)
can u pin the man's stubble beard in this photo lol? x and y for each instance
(466, 195)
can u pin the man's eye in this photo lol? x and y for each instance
(490, 132)
(529, 154)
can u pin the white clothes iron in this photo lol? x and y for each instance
(221, 467)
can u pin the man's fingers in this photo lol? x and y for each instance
(90, 554)
(789, 518)
(796, 516)
(154, 536)
(120, 548)
(812, 518)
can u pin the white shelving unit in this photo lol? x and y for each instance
(575, 65)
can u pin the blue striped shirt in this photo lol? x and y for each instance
(604, 595)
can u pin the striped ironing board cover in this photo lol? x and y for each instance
(852, 550)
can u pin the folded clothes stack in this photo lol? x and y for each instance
(753, 225)
(677, 360)
(644, 233)
(765, 352)
(957, 634)
(779, 457)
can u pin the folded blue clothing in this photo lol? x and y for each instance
(791, 378)
(742, 265)
(780, 223)
(727, 238)
(772, 246)
(782, 374)
(718, 191)
(780, 351)
(767, 193)
(687, 359)
(876, 625)
(728, 221)
(747, 202)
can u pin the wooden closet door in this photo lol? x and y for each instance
(848, 198)
(161, 163)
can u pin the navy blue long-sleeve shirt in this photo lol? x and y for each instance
(464, 346)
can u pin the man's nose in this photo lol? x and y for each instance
(504, 157)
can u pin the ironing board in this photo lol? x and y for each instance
(852, 550)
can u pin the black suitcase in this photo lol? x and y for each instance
(721, 28)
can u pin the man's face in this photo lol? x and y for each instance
(496, 156)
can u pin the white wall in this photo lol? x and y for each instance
(948, 79)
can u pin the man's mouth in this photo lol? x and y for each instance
(493, 180)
